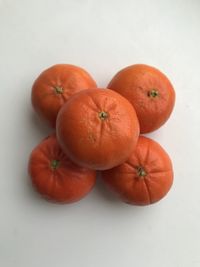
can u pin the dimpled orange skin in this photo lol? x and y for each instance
(149, 91)
(145, 178)
(55, 177)
(97, 128)
(55, 85)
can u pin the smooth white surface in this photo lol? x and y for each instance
(103, 37)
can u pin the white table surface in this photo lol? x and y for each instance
(103, 37)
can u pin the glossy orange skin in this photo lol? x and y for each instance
(67, 182)
(94, 142)
(55, 85)
(142, 190)
(135, 83)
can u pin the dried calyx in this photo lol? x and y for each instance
(54, 164)
(153, 93)
(103, 115)
(58, 89)
(141, 172)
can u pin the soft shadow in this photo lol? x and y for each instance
(105, 192)
(38, 124)
(119, 205)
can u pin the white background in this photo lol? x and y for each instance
(103, 37)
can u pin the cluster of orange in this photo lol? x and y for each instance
(99, 129)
